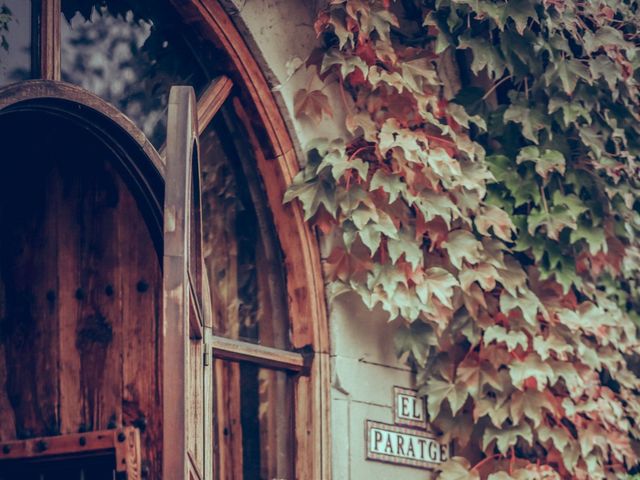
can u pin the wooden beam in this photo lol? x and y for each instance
(212, 100)
(267, 357)
(124, 439)
(50, 39)
(181, 132)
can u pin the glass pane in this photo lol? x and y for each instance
(242, 256)
(257, 420)
(15, 41)
(130, 53)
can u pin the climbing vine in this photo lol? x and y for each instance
(485, 193)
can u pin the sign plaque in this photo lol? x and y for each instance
(408, 408)
(407, 442)
(405, 446)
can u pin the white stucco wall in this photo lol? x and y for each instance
(364, 364)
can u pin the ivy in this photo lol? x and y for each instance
(485, 194)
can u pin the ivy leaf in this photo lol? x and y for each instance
(438, 391)
(457, 468)
(497, 219)
(499, 334)
(557, 436)
(603, 68)
(497, 409)
(520, 11)
(552, 343)
(347, 64)
(569, 71)
(532, 120)
(405, 245)
(549, 161)
(389, 183)
(312, 194)
(531, 404)
(527, 302)
(339, 163)
(553, 220)
(416, 339)
(483, 273)
(419, 73)
(531, 367)
(433, 205)
(594, 236)
(311, 104)
(439, 283)
(484, 56)
(568, 373)
(572, 202)
(512, 277)
(571, 111)
(593, 139)
(381, 22)
(507, 437)
(462, 245)
(605, 36)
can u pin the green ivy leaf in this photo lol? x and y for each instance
(545, 163)
(531, 120)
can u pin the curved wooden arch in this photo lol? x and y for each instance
(277, 164)
(139, 162)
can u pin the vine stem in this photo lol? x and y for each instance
(544, 200)
(485, 460)
(512, 460)
(496, 85)
(361, 149)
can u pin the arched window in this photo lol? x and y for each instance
(258, 407)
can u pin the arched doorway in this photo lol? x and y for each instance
(241, 91)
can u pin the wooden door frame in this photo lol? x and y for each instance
(277, 164)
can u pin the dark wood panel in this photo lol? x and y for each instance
(142, 355)
(29, 328)
(80, 296)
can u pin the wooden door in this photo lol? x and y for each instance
(186, 372)
(80, 290)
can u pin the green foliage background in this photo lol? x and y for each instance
(486, 194)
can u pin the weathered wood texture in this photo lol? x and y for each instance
(184, 369)
(79, 291)
(212, 100)
(123, 444)
(228, 349)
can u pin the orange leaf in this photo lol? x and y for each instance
(312, 104)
